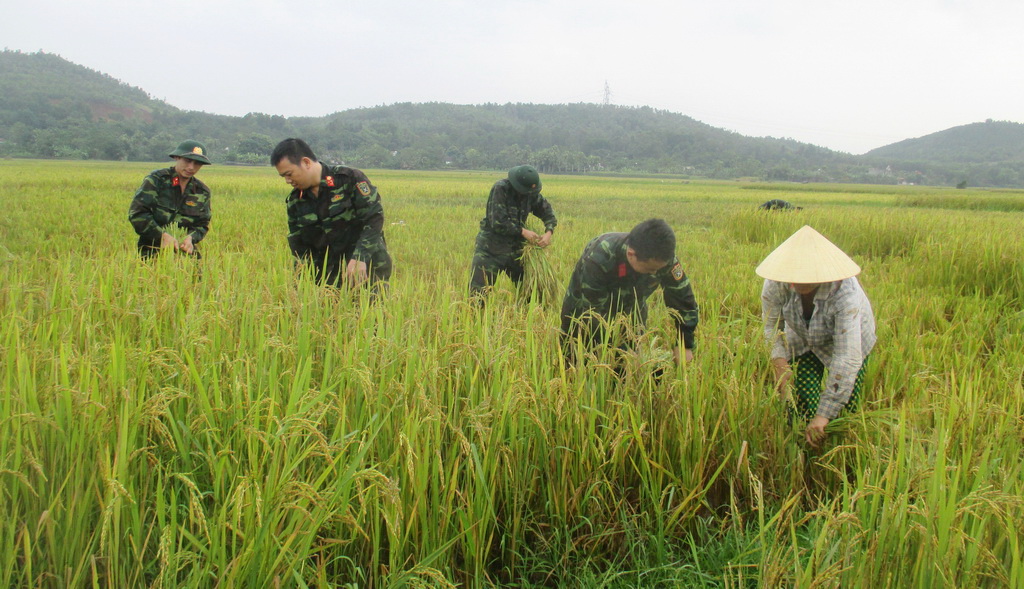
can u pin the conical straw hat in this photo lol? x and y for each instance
(807, 257)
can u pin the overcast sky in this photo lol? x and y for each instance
(848, 75)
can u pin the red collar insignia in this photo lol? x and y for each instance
(622, 270)
(175, 181)
(330, 181)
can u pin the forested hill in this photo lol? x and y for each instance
(988, 142)
(558, 138)
(52, 108)
(41, 88)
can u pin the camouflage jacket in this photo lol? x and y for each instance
(159, 203)
(604, 282)
(507, 210)
(345, 216)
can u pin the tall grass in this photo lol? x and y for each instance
(247, 428)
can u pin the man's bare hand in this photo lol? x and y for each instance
(167, 241)
(676, 355)
(356, 272)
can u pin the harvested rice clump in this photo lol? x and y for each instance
(538, 275)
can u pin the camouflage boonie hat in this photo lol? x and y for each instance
(192, 150)
(524, 179)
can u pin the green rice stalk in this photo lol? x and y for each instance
(539, 278)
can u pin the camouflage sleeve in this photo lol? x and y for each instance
(140, 212)
(199, 232)
(594, 292)
(680, 299)
(543, 211)
(370, 212)
(588, 291)
(502, 220)
(201, 218)
(295, 242)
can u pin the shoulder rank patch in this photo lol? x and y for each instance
(337, 197)
(330, 181)
(622, 270)
(677, 271)
(364, 188)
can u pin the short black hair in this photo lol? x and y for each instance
(293, 149)
(653, 239)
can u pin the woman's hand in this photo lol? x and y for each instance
(815, 433)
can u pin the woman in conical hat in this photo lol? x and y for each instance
(816, 317)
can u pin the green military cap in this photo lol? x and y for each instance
(192, 150)
(524, 179)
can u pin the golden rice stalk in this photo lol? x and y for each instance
(538, 275)
(653, 355)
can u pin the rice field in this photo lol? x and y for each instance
(245, 428)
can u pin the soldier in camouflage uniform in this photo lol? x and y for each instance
(335, 218)
(777, 204)
(616, 274)
(173, 196)
(503, 232)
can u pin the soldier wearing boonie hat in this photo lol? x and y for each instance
(172, 197)
(816, 317)
(503, 233)
(192, 150)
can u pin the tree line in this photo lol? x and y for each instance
(51, 108)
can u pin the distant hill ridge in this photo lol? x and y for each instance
(52, 108)
(47, 84)
(988, 142)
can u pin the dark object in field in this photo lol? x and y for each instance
(777, 204)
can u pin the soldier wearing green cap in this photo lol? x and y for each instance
(503, 232)
(173, 197)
